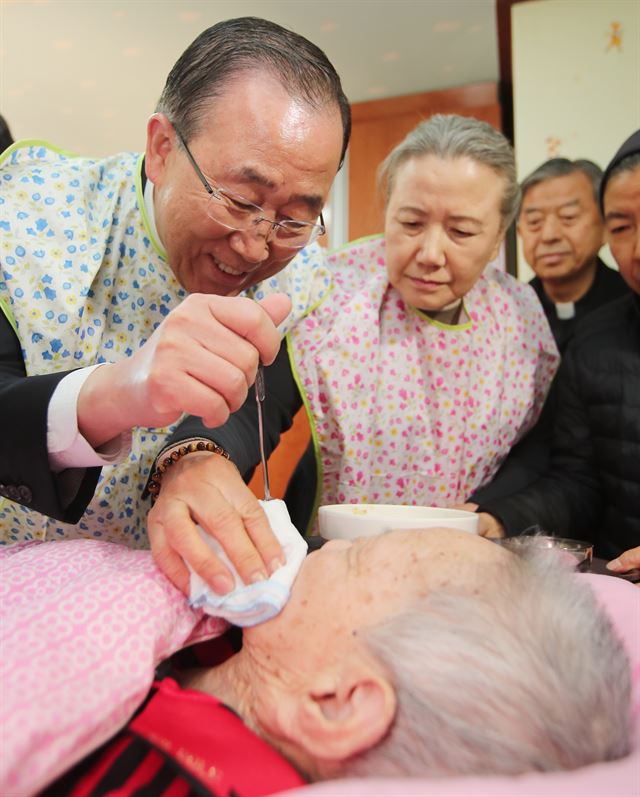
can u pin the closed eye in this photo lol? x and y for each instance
(241, 207)
(235, 202)
(294, 225)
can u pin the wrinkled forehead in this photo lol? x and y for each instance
(434, 557)
(559, 189)
(456, 182)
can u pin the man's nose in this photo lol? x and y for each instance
(252, 244)
(433, 247)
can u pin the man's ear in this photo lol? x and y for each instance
(161, 142)
(344, 713)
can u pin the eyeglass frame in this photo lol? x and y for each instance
(274, 225)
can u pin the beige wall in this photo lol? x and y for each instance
(86, 74)
(576, 87)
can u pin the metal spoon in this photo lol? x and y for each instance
(260, 394)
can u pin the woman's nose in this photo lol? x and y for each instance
(433, 248)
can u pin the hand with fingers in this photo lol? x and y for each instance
(206, 489)
(201, 361)
(629, 560)
(488, 525)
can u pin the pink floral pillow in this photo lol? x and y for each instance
(83, 624)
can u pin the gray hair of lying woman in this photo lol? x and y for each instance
(525, 674)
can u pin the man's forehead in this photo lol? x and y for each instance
(558, 191)
(560, 204)
(253, 174)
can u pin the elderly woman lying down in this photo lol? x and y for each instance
(427, 653)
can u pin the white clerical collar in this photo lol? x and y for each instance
(565, 310)
(151, 215)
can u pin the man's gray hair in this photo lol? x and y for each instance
(450, 136)
(526, 674)
(562, 167)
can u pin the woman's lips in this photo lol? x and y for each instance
(426, 285)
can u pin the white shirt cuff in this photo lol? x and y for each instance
(66, 446)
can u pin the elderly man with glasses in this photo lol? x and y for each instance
(237, 213)
(121, 278)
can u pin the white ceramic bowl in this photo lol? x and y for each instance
(348, 521)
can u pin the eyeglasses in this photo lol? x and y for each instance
(236, 213)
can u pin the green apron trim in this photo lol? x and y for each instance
(314, 434)
(467, 324)
(155, 243)
(351, 244)
(36, 142)
(311, 419)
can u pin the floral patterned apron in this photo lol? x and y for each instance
(85, 281)
(405, 409)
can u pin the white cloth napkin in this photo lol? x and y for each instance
(250, 604)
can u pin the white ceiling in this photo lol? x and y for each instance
(85, 74)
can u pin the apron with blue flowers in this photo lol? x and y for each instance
(85, 281)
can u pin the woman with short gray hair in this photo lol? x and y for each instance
(450, 137)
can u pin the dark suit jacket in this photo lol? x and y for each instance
(591, 489)
(25, 476)
(607, 286)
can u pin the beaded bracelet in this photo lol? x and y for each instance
(155, 480)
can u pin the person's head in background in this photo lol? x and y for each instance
(6, 139)
(620, 203)
(462, 659)
(450, 193)
(248, 135)
(561, 227)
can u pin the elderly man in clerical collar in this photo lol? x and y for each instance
(562, 232)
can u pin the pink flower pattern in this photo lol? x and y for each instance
(410, 411)
(83, 624)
